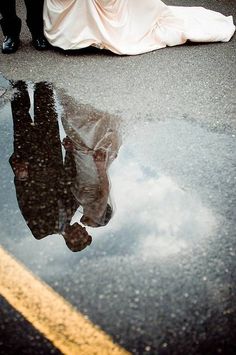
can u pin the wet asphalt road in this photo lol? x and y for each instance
(160, 277)
(18, 336)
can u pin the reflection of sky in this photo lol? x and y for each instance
(166, 218)
(152, 211)
(156, 212)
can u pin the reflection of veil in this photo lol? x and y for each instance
(92, 131)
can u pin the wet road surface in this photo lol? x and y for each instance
(160, 276)
(18, 336)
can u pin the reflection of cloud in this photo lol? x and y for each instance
(154, 215)
(164, 218)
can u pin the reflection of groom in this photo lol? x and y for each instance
(42, 178)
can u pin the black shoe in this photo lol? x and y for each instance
(40, 43)
(10, 44)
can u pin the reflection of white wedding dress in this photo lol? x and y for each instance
(131, 26)
(91, 131)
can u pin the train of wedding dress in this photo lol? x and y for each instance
(131, 26)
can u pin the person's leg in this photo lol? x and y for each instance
(49, 149)
(34, 21)
(23, 129)
(11, 26)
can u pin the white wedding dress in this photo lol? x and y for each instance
(131, 26)
(91, 130)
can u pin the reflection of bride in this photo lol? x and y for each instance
(92, 137)
(131, 26)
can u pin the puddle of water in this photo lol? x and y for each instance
(5, 90)
(152, 208)
(60, 165)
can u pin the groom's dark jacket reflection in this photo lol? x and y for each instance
(42, 177)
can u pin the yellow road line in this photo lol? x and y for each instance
(50, 313)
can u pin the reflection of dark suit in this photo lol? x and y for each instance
(45, 197)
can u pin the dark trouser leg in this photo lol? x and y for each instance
(22, 122)
(47, 127)
(10, 23)
(34, 16)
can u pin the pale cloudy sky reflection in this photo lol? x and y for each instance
(152, 208)
(166, 218)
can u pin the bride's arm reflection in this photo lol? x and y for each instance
(93, 139)
(92, 193)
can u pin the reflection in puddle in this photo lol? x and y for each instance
(51, 186)
(62, 154)
(5, 90)
(165, 219)
(93, 140)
